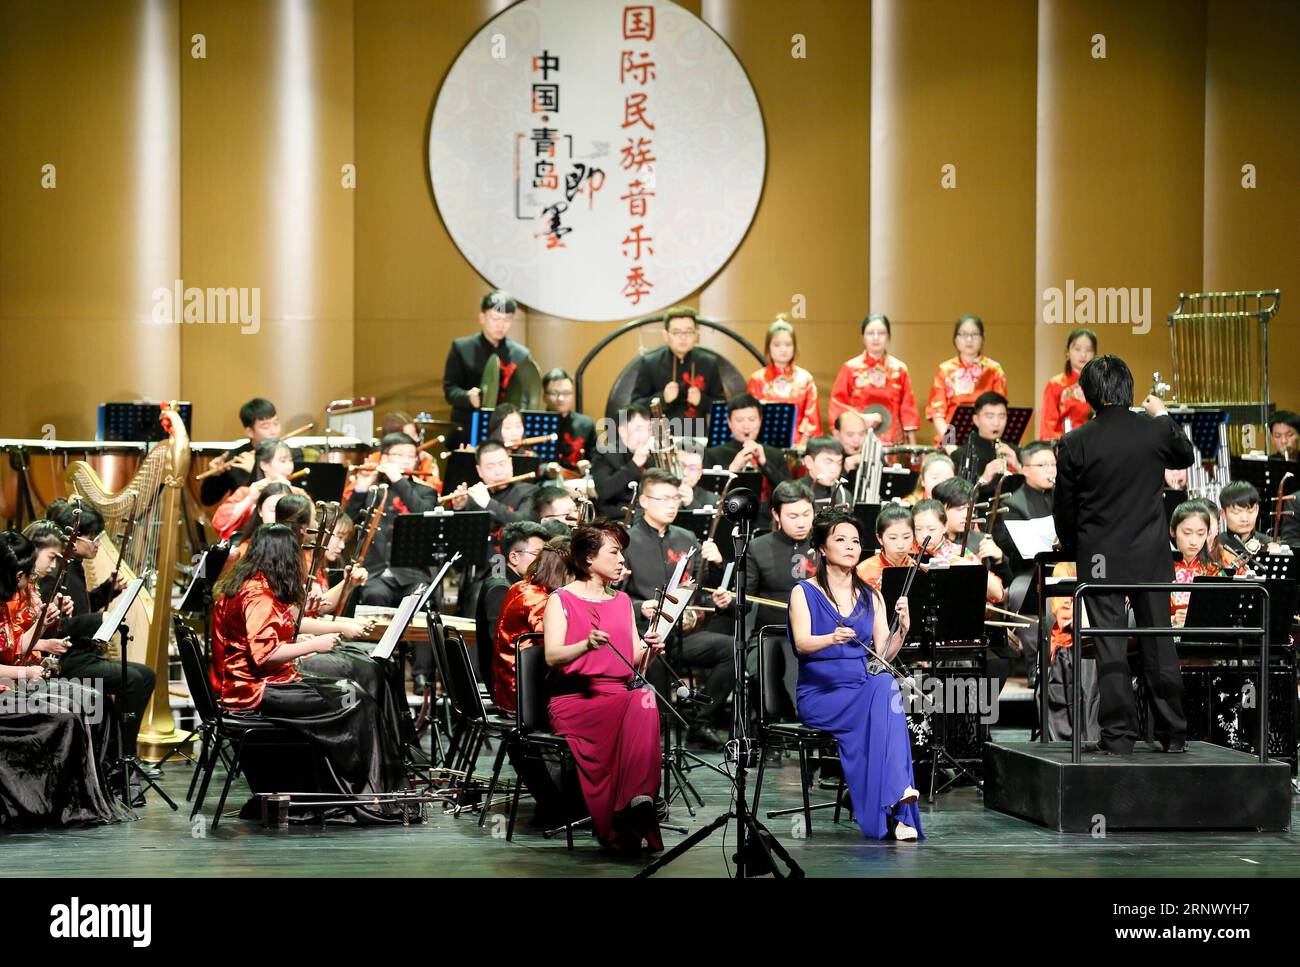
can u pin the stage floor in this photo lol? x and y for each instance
(965, 839)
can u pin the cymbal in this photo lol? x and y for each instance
(886, 418)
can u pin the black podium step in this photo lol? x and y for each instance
(1209, 787)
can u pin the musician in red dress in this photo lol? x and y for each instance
(1064, 407)
(612, 731)
(254, 668)
(877, 378)
(522, 610)
(961, 380)
(781, 381)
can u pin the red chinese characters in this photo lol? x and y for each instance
(637, 70)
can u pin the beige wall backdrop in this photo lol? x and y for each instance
(227, 170)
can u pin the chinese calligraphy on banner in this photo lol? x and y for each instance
(599, 161)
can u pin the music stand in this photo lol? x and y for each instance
(114, 623)
(1205, 428)
(135, 421)
(963, 421)
(714, 479)
(25, 506)
(325, 482)
(896, 483)
(1266, 475)
(951, 609)
(866, 515)
(1172, 499)
(536, 423)
(697, 521)
(779, 424)
(427, 540)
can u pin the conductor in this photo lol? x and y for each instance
(1109, 513)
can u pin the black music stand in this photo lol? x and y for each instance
(536, 423)
(1172, 499)
(427, 540)
(896, 484)
(136, 421)
(963, 422)
(325, 482)
(866, 515)
(697, 521)
(714, 479)
(947, 605)
(462, 468)
(1266, 475)
(1205, 428)
(114, 623)
(777, 429)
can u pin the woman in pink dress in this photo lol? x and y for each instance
(612, 729)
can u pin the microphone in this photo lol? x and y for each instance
(685, 693)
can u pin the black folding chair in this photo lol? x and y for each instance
(531, 736)
(222, 729)
(475, 722)
(789, 735)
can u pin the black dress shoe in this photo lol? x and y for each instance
(1176, 747)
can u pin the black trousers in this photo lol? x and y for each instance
(711, 651)
(1117, 714)
(132, 694)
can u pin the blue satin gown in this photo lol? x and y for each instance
(864, 713)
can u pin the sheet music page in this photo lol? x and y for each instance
(1032, 537)
(384, 649)
(113, 618)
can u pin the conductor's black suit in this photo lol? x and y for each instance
(1109, 513)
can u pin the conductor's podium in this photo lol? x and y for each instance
(1208, 787)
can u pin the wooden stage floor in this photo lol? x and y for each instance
(965, 839)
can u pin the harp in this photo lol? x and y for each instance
(151, 552)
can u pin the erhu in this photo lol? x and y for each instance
(51, 662)
(371, 516)
(327, 516)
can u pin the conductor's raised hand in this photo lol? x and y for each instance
(1154, 405)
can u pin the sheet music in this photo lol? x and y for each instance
(393, 634)
(674, 605)
(680, 570)
(114, 618)
(1032, 537)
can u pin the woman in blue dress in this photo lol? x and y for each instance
(833, 618)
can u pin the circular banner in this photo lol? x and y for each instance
(596, 159)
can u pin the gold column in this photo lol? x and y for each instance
(952, 97)
(1252, 116)
(267, 128)
(414, 290)
(1120, 165)
(90, 90)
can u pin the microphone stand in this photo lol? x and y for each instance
(758, 849)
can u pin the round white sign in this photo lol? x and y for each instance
(597, 160)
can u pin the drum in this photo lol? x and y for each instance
(39, 466)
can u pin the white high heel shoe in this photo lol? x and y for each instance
(904, 833)
(910, 795)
